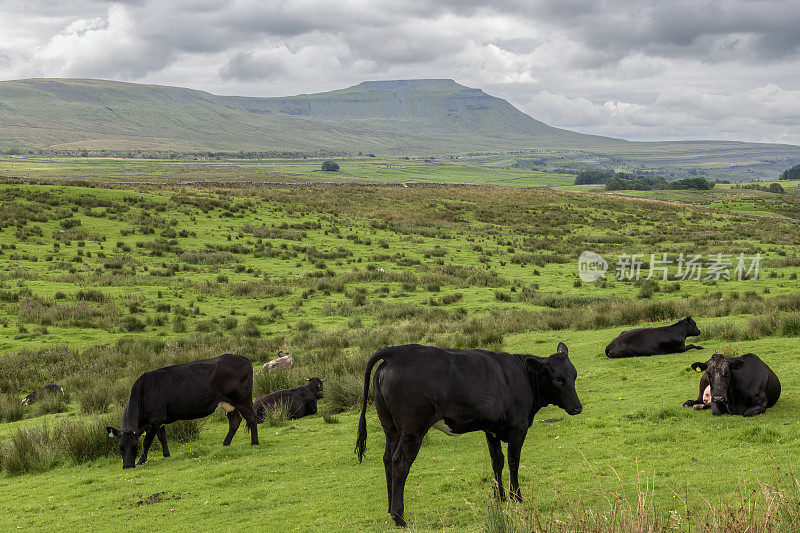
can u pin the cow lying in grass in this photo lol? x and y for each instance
(654, 341)
(186, 392)
(50, 388)
(298, 402)
(737, 386)
(457, 391)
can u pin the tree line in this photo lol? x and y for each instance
(618, 181)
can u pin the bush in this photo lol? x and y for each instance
(50, 403)
(330, 166)
(131, 324)
(11, 408)
(28, 450)
(184, 431)
(275, 417)
(83, 442)
(96, 397)
(343, 392)
(265, 382)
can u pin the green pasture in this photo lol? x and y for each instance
(100, 283)
(490, 170)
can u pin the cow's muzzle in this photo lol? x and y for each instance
(575, 410)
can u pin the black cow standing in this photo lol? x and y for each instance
(739, 385)
(298, 402)
(654, 341)
(186, 392)
(457, 391)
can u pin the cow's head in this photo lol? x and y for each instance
(556, 376)
(691, 327)
(718, 369)
(315, 384)
(128, 444)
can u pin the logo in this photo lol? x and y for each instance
(591, 266)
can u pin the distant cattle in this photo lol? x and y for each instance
(298, 402)
(50, 388)
(654, 341)
(456, 391)
(186, 392)
(283, 360)
(738, 385)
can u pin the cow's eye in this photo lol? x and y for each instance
(558, 381)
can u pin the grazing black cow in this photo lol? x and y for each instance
(739, 385)
(50, 388)
(186, 392)
(654, 341)
(457, 391)
(298, 402)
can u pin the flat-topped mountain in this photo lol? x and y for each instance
(393, 117)
(398, 116)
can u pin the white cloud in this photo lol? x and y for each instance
(640, 69)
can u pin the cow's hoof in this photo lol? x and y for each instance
(166, 454)
(139, 463)
(399, 522)
(698, 407)
(689, 403)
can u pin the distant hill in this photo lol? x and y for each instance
(406, 116)
(412, 117)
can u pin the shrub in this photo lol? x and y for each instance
(50, 403)
(265, 382)
(343, 392)
(28, 450)
(90, 295)
(330, 166)
(96, 397)
(11, 408)
(83, 442)
(131, 324)
(184, 431)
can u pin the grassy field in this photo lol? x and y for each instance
(490, 170)
(99, 283)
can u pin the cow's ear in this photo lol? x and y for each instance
(736, 364)
(562, 349)
(112, 432)
(699, 367)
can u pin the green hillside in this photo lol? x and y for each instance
(401, 117)
(392, 116)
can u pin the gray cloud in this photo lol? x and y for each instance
(644, 69)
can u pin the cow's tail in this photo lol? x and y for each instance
(361, 440)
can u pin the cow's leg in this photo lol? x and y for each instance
(755, 410)
(758, 407)
(251, 420)
(692, 347)
(402, 459)
(514, 451)
(162, 438)
(246, 411)
(234, 419)
(496, 453)
(149, 435)
(392, 441)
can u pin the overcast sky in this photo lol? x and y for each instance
(640, 69)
